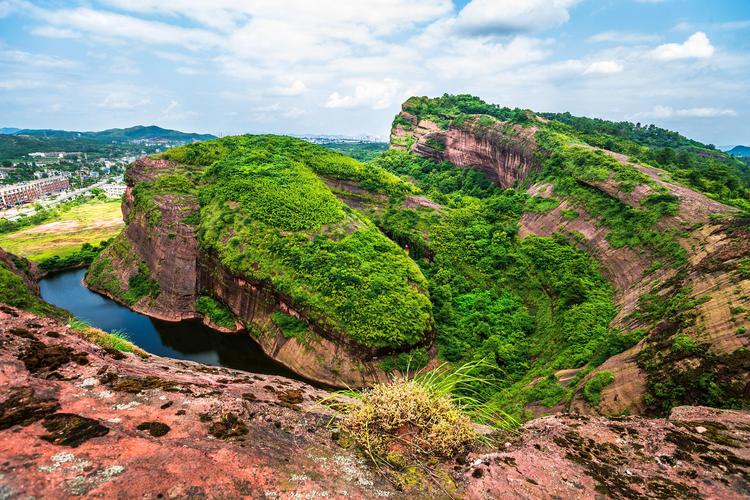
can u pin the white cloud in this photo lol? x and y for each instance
(622, 37)
(52, 32)
(187, 71)
(698, 46)
(123, 100)
(604, 68)
(511, 16)
(110, 25)
(471, 57)
(38, 60)
(701, 112)
(375, 94)
(297, 87)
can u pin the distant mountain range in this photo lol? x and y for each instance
(740, 151)
(117, 135)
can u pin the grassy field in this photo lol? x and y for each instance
(90, 223)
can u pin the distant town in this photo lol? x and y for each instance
(69, 164)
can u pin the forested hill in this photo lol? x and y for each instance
(139, 132)
(698, 165)
(578, 272)
(740, 151)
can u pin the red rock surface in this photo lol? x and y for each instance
(504, 152)
(230, 433)
(78, 420)
(697, 453)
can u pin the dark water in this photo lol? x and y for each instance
(186, 340)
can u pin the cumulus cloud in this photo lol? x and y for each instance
(297, 87)
(374, 94)
(511, 16)
(701, 112)
(698, 46)
(603, 68)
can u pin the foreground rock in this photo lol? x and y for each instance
(78, 420)
(698, 452)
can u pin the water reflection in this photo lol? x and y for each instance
(189, 340)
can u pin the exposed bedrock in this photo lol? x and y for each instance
(503, 151)
(78, 420)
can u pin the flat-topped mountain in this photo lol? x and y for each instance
(254, 223)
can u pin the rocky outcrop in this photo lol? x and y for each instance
(710, 295)
(504, 152)
(78, 420)
(697, 453)
(162, 239)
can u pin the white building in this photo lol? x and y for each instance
(114, 190)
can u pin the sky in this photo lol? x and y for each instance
(345, 66)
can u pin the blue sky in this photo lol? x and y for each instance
(335, 66)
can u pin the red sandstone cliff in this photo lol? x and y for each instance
(716, 241)
(503, 151)
(170, 250)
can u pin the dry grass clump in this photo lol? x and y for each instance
(404, 419)
(116, 340)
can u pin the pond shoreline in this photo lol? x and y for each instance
(187, 340)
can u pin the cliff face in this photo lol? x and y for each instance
(709, 293)
(693, 316)
(78, 420)
(503, 151)
(160, 241)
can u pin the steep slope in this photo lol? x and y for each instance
(676, 258)
(250, 225)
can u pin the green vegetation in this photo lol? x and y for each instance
(406, 425)
(406, 362)
(528, 308)
(269, 216)
(103, 275)
(592, 390)
(14, 292)
(215, 311)
(574, 170)
(451, 108)
(80, 258)
(69, 235)
(697, 165)
(290, 326)
(115, 340)
(361, 151)
(140, 285)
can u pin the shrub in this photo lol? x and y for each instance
(403, 414)
(592, 390)
(215, 311)
(406, 362)
(421, 419)
(290, 326)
